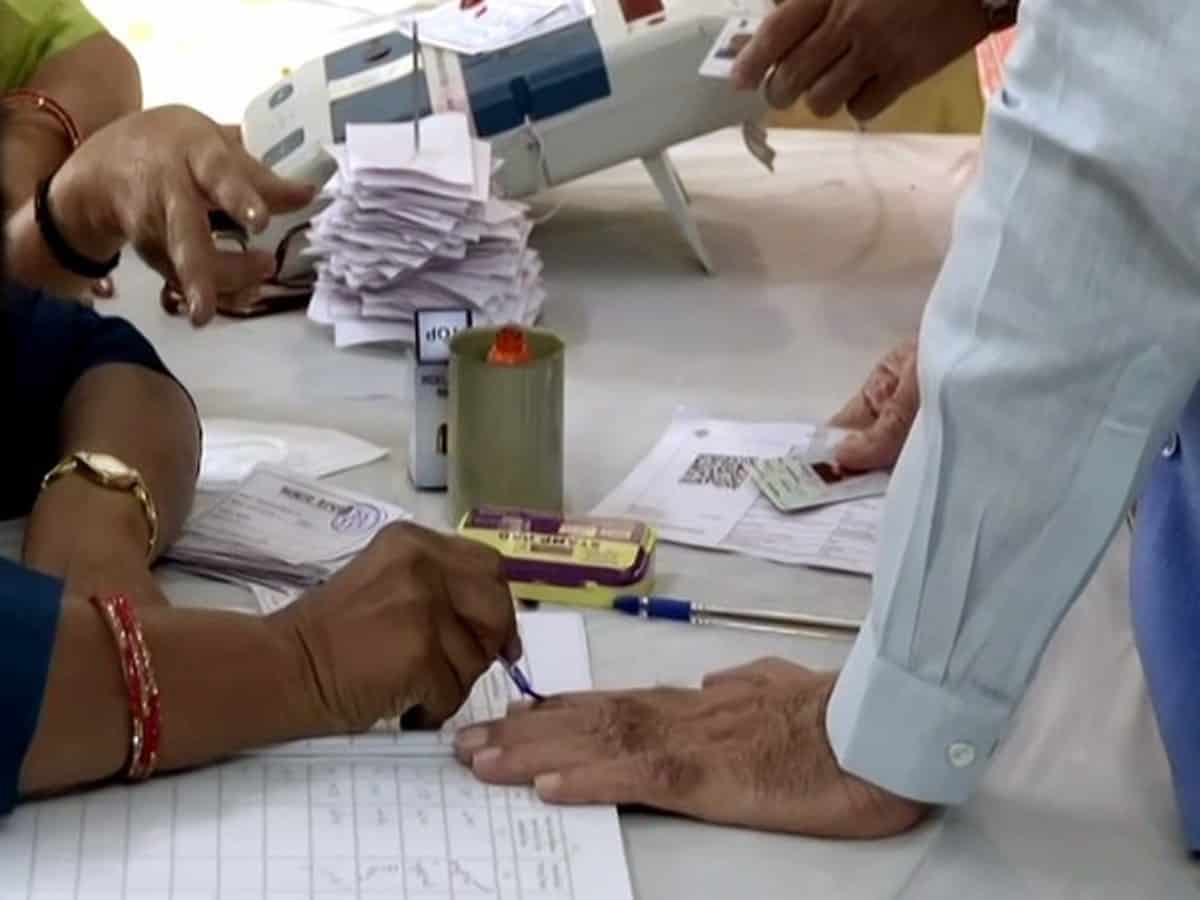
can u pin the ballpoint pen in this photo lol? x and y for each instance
(521, 680)
(755, 619)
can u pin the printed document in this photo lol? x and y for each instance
(353, 821)
(696, 487)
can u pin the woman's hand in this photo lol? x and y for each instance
(411, 623)
(151, 179)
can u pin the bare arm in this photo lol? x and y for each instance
(97, 81)
(144, 419)
(229, 682)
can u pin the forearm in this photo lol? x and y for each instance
(228, 682)
(97, 82)
(1057, 351)
(146, 420)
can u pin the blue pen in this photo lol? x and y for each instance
(755, 619)
(521, 680)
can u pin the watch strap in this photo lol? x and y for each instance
(77, 462)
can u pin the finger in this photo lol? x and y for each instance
(879, 446)
(442, 695)
(523, 763)
(220, 176)
(782, 30)
(873, 97)
(804, 64)
(661, 778)
(282, 195)
(232, 135)
(463, 651)
(190, 249)
(538, 726)
(856, 414)
(833, 88)
(880, 387)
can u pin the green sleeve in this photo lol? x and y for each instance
(31, 31)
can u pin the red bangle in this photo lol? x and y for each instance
(137, 671)
(47, 104)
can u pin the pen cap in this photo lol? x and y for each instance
(506, 424)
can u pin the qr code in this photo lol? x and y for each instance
(719, 471)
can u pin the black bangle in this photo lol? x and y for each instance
(64, 254)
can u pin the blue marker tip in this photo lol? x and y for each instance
(522, 682)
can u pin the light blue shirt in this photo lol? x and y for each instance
(1059, 347)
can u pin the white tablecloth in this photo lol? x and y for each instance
(823, 266)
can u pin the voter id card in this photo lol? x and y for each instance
(736, 34)
(793, 483)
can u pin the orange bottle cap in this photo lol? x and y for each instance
(510, 348)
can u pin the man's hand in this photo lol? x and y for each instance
(749, 748)
(881, 414)
(411, 623)
(861, 54)
(151, 179)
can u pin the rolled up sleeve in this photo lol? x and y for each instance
(1058, 349)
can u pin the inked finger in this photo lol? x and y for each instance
(220, 177)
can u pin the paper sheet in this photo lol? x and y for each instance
(696, 488)
(346, 825)
(233, 447)
(488, 27)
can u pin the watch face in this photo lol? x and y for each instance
(110, 469)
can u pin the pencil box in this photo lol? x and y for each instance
(571, 560)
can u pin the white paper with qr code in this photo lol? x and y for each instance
(800, 481)
(696, 487)
(736, 34)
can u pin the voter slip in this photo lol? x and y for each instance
(737, 33)
(793, 483)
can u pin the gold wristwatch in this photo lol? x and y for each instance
(110, 473)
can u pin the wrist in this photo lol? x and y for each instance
(83, 220)
(34, 146)
(307, 706)
(104, 524)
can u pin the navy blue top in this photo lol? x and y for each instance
(45, 346)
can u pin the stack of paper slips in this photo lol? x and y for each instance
(408, 229)
(280, 530)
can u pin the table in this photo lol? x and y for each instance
(823, 266)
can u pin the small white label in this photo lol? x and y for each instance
(435, 329)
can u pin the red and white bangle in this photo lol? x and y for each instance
(137, 670)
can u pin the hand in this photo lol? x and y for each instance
(882, 413)
(412, 622)
(749, 749)
(151, 179)
(862, 54)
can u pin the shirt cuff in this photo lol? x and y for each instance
(913, 738)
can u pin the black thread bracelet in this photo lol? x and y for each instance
(64, 254)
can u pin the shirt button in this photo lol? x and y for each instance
(1171, 447)
(961, 754)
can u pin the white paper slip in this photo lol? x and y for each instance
(492, 25)
(348, 824)
(233, 447)
(737, 33)
(793, 483)
(696, 487)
